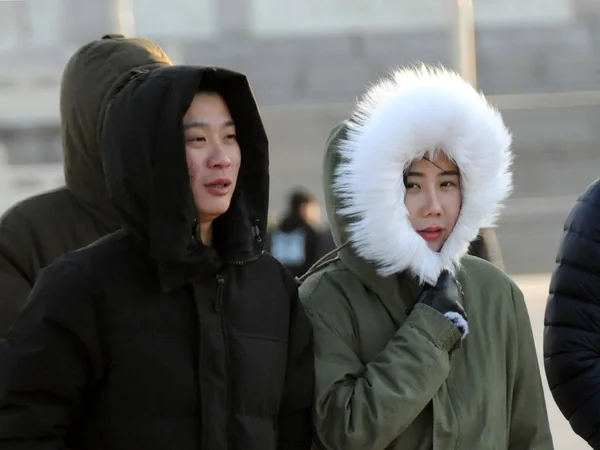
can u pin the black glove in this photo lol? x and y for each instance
(446, 298)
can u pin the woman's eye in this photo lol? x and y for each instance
(411, 185)
(231, 136)
(196, 139)
(448, 184)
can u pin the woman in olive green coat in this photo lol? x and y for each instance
(419, 346)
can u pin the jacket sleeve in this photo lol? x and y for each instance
(368, 405)
(15, 280)
(572, 320)
(295, 431)
(529, 426)
(48, 357)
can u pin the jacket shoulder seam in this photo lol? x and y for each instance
(321, 277)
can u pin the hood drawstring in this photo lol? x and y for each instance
(256, 231)
(325, 260)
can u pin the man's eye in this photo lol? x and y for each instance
(448, 184)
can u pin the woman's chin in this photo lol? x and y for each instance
(436, 246)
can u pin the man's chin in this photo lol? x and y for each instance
(214, 208)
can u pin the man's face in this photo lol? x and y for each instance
(311, 213)
(433, 198)
(213, 154)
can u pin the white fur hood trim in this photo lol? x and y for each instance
(398, 120)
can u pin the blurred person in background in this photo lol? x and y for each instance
(177, 331)
(418, 345)
(486, 246)
(297, 240)
(38, 230)
(572, 320)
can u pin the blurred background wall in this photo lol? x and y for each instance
(308, 60)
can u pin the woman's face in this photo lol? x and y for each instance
(433, 198)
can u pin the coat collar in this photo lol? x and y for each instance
(175, 275)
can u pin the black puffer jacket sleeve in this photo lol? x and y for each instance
(47, 359)
(572, 321)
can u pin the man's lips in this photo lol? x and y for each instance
(219, 186)
(220, 182)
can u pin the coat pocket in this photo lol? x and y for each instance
(259, 364)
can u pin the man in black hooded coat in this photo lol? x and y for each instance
(149, 339)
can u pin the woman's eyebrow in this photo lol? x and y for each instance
(441, 174)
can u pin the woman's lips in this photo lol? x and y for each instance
(431, 233)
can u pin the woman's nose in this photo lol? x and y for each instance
(434, 206)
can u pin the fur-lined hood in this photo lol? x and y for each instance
(398, 120)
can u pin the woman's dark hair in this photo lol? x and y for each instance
(407, 169)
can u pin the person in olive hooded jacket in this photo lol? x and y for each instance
(178, 331)
(36, 231)
(418, 345)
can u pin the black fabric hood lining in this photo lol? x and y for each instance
(150, 188)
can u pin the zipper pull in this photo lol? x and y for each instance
(220, 288)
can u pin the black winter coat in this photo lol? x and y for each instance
(572, 321)
(148, 339)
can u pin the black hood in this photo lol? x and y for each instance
(143, 148)
(92, 76)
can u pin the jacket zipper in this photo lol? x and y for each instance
(249, 260)
(220, 288)
(203, 420)
(219, 310)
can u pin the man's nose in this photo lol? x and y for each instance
(218, 157)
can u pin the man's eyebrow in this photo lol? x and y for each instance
(449, 173)
(200, 124)
(415, 174)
